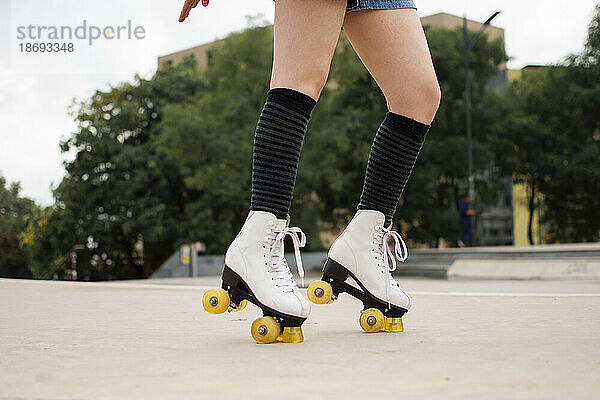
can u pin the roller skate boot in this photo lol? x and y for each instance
(360, 263)
(256, 271)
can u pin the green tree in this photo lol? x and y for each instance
(47, 242)
(210, 135)
(14, 212)
(572, 191)
(120, 198)
(553, 122)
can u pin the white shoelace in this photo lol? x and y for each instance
(400, 253)
(279, 266)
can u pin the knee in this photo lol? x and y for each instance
(419, 99)
(432, 94)
(429, 96)
(309, 79)
(312, 79)
(315, 82)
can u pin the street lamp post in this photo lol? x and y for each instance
(468, 46)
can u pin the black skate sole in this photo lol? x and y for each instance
(238, 290)
(336, 274)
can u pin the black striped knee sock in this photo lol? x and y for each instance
(392, 158)
(277, 144)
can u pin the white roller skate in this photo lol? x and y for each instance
(256, 271)
(361, 252)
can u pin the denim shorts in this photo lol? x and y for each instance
(355, 5)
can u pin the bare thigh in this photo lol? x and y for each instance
(392, 46)
(306, 33)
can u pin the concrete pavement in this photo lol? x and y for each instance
(152, 340)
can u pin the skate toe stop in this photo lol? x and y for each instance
(393, 324)
(291, 334)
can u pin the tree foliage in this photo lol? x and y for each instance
(552, 119)
(14, 213)
(209, 135)
(121, 200)
(167, 160)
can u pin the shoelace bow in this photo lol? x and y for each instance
(277, 252)
(400, 253)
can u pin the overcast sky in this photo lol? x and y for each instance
(37, 88)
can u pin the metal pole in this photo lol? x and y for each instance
(191, 265)
(467, 50)
(467, 54)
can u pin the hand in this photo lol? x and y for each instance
(187, 7)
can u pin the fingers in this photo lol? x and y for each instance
(185, 11)
(187, 7)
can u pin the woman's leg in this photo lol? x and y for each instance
(392, 45)
(306, 33)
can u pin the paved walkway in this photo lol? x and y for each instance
(152, 340)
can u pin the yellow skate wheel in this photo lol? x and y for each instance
(215, 301)
(265, 330)
(371, 320)
(320, 292)
(242, 305)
